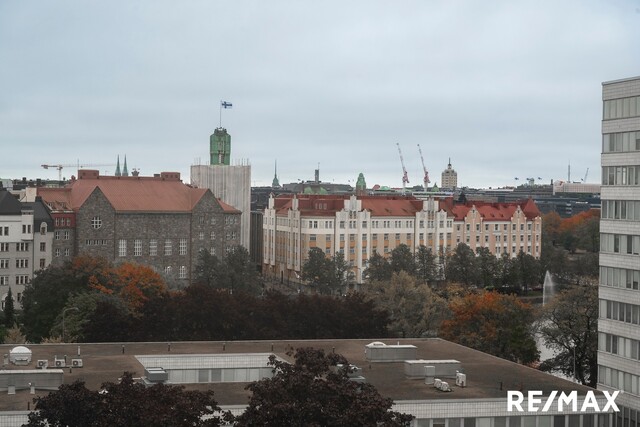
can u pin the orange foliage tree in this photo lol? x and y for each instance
(133, 283)
(493, 323)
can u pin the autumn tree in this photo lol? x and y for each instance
(313, 391)
(497, 324)
(125, 403)
(414, 309)
(569, 325)
(133, 283)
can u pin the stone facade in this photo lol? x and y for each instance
(166, 238)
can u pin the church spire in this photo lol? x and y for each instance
(125, 171)
(275, 183)
(118, 167)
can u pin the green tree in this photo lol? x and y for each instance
(426, 266)
(569, 325)
(9, 310)
(126, 403)
(403, 260)
(378, 269)
(45, 297)
(462, 266)
(341, 274)
(314, 392)
(528, 271)
(317, 270)
(414, 309)
(241, 274)
(497, 324)
(488, 267)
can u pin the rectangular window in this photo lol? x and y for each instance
(4, 263)
(183, 247)
(43, 246)
(57, 252)
(22, 263)
(56, 235)
(42, 263)
(182, 272)
(22, 279)
(66, 235)
(153, 247)
(122, 248)
(167, 247)
(137, 247)
(4, 280)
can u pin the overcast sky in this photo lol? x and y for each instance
(504, 88)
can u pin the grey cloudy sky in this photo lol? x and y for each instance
(504, 88)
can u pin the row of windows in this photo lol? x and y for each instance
(620, 243)
(621, 175)
(96, 242)
(625, 347)
(621, 311)
(62, 222)
(58, 252)
(21, 279)
(621, 108)
(619, 277)
(65, 235)
(618, 380)
(620, 142)
(182, 271)
(153, 247)
(621, 209)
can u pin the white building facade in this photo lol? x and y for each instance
(619, 291)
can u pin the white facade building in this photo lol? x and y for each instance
(619, 291)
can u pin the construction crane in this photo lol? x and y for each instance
(426, 179)
(586, 174)
(405, 177)
(77, 165)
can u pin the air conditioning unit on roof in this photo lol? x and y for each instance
(76, 363)
(42, 364)
(59, 363)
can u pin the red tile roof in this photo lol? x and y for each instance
(128, 194)
(397, 206)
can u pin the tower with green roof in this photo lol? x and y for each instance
(220, 147)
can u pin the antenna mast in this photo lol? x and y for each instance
(405, 177)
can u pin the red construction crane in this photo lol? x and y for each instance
(426, 179)
(405, 177)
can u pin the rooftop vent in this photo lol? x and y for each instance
(381, 352)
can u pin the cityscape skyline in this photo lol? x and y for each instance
(504, 91)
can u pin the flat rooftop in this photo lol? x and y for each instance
(487, 376)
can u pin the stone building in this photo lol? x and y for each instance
(158, 221)
(26, 236)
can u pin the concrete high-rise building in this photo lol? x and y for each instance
(619, 290)
(449, 177)
(230, 183)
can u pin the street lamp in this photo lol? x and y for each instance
(64, 312)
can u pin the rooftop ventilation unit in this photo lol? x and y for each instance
(156, 375)
(380, 352)
(76, 363)
(441, 385)
(42, 364)
(59, 363)
(443, 368)
(461, 379)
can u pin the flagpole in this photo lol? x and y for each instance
(220, 113)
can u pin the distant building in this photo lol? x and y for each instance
(157, 221)
(26, 237)
(619, 292)
(318, 187)
(230, 183)
(449, 177)
(359, 226)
